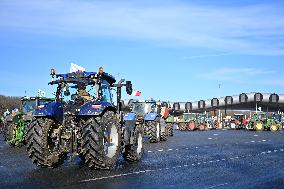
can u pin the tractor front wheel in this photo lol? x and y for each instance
(153, 131)
(182, 126)
(43, 142)
(201, 127)
(169, 129)
(274, 127)
(133, 152)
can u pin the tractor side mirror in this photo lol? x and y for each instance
(129, 89)
(66, 91)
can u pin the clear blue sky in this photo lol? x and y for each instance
(171, 50)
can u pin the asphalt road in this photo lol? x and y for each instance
(207, 160)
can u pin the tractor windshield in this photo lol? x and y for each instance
(259, 116)
(29, 105)
(142, 107)
(106, 93)
(44, 101)
(189, 116)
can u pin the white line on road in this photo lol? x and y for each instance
(175, 167)
(215, 186)
(160, 150)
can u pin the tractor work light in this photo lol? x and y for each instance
(96, 106)
(40, 107)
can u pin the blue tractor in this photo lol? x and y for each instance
(148, 114)
(83, 121)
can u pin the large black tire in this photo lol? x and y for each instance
(274, 127)
(164, 136)
(154, 131)
(201, 127)
(233, 126)
(1, 126)
(259, 126)
(133, 152)
(6, 129)
(182, 126)
(170, 129)
(41, 148)
(101, 141)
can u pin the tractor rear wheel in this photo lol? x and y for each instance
(133, 152)
(259, 126)
(101, 141)
(274, 127)
(43, 142)
(169, 129)
(153, 131)
(191, 125)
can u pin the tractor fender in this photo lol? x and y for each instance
(95, 108)
(163, 125)
(128, 131)
(52, 109)
(130, 117)
(150, 116)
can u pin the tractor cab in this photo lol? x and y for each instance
(259, 116)
(29, 104)
(141, 108)
(188, 117)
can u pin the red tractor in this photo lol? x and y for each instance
(238, 121)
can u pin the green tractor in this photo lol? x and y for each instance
(201, 122)
(272, 124)
(15, 124)
(187, 121)
(260, 121)
(170, 121)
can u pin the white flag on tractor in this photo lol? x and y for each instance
(76, 68)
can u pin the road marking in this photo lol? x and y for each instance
(210, 138)
(149, 151)
(263, 140)
(255, 135)
(252, 141)
(215, 186)
(175, 167)
(170, 149)
(215, 134)
(160, 150)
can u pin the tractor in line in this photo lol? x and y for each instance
(84, 121)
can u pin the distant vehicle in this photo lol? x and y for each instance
(238, 121)
(261, 121)
(16, 124)
(152, 115)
